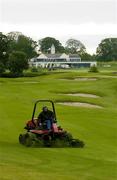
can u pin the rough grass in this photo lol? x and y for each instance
(97, 127)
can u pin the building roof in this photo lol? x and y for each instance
(74, 56)
(53, 55)
(59, 55)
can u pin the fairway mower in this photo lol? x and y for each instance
(37, 135)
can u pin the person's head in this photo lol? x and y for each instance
(45, 108)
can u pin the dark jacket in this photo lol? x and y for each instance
(48, 115)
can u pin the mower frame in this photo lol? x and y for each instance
(38, 101)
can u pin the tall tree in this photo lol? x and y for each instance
(19, 42)
(75, 46)
(17, 62)
(107, 49)
(46, 43)
(86, 56)
(14, 35)
(4, 45)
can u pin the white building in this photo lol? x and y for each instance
(59, 60)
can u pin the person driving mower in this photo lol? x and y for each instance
(37, 134)
(46, 118)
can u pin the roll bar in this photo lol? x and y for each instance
(38, 101)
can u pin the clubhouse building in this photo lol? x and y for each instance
(59, 60)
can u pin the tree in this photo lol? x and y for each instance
(46, 43)
(74, 46)
(13, 35)
(86, 56)
(4, 45)
(17, 63)
(19, 42)
(107, 49)
(2, 68)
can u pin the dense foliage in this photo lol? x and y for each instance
(4, 45)
(74, 46)
(17, 62)
(107, 50)
(14, 45)
(19, 42)
(46, 43)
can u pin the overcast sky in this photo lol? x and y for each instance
(89, 21)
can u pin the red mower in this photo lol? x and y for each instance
(38, 135)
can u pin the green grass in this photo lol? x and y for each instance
(96, 127)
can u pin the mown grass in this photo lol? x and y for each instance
(96, 127)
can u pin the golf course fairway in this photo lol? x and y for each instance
(97, 127)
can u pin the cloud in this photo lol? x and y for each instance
(86, 20)
(60, 11)
(64, 29)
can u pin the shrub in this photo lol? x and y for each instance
(93, 69)
(34, 69)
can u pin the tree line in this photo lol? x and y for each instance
(16, 49)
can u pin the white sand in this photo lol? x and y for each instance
(80, 79)
(83, 95)
(80, 104)
(85, 79)
(30, 82)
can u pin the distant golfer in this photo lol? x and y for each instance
(46, 117)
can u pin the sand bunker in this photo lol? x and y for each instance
(80, 104)
(80, 79)
(30, 82)
(85, 79)
(83, 95)
(24, 82)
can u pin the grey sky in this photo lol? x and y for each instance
(75, 11)
(87, 19)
